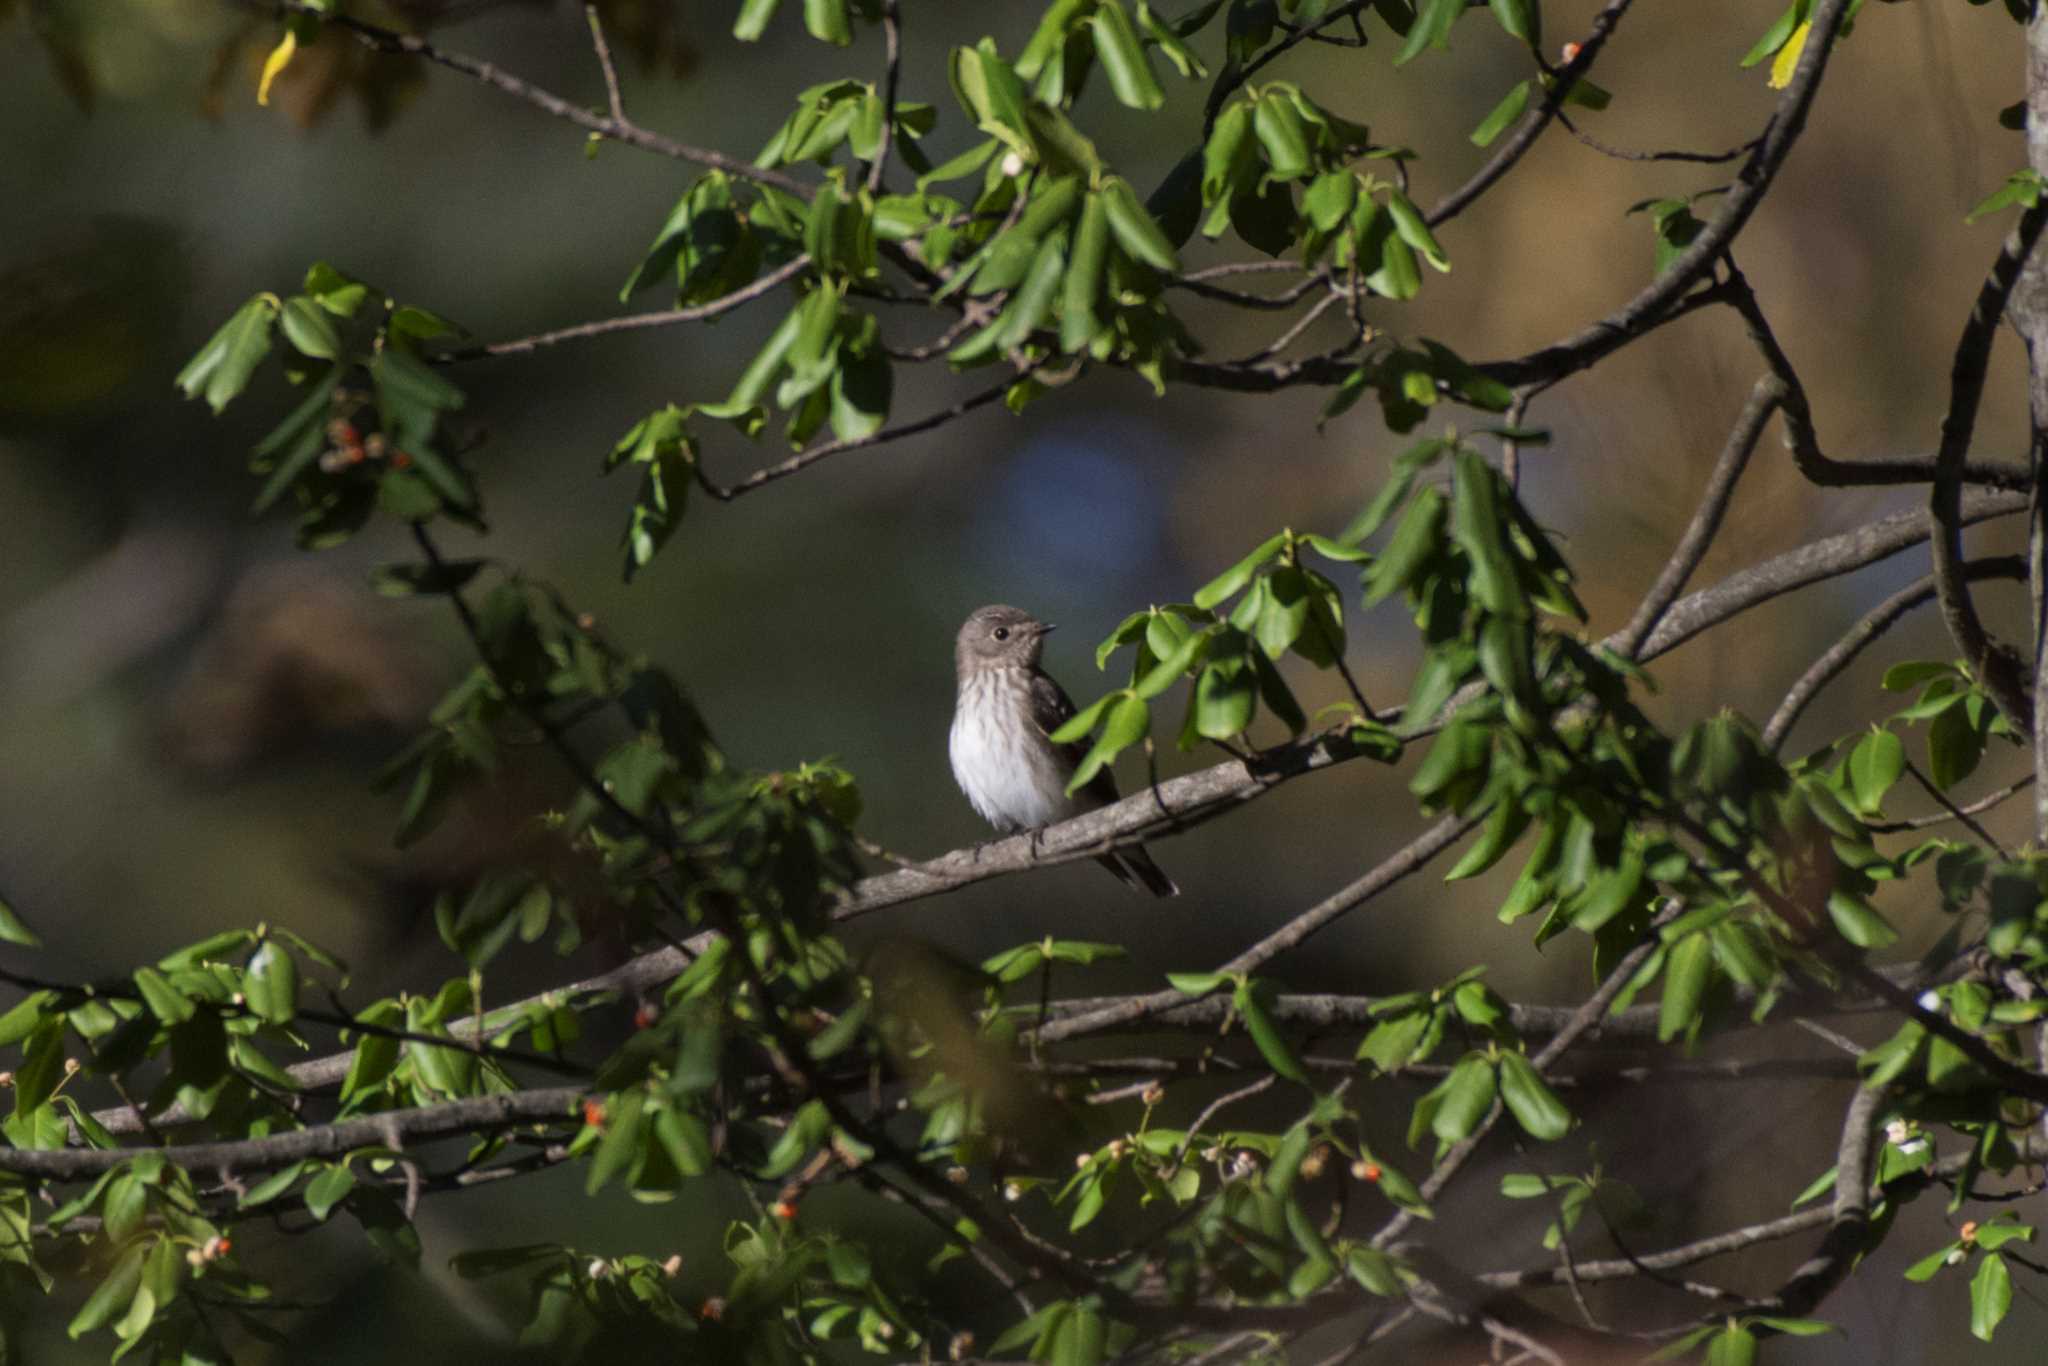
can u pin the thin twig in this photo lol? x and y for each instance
(892, 58)
(633, 322)
(604, 61)
(620, 130)
(1955, 812)
(804, 459)
(1561, 81)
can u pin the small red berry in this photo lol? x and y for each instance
(593, 1113)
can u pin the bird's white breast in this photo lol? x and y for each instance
(1006, 770)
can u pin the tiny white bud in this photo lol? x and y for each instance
(1955, 1257)
(1012, 1192)
(597, 1269)
(1896, 1132)
(1929, 1000)
(1013, 165)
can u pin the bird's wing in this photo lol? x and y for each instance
(1051, 708)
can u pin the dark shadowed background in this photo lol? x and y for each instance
(193, 709)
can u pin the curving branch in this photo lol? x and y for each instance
(1868, 628)
(1995, 664)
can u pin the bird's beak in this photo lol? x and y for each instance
(1046, 628)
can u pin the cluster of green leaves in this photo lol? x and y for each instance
(1410, 1029)
(1991, 1283)
(790, 1294)
(1238, 1213)
(1283, 607)
(368, 432)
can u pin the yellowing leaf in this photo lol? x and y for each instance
(1788, 56)
(280, 57)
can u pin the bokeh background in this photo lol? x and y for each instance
(193, 709)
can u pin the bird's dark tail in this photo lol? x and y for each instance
(1135, 867)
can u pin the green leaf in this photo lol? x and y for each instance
(308, 329)
(339, 294)
(1226, 692)
(1125, 725)
(1409, 223)
(1533, 1104)
(113, 1294)
(753, 19)
(1732, 1346)
(1502, 829)
(222, 367)
(827, 21)
(1432, 28)
(1281, 136)
(1874, 765)
(1463, 1098)
(1954, 747)
(1329, 199)
(1990, 1296)
(1134, 229)
(1197, 983)
(624, 1141)
(1689, 967)
(1123, 60)
(1082, 286)
(1859, 921)
(1517, 17)
(13, 930)
(1083, 722)
(165, 1001)
(270, 984)
(1169, 43)
(1478, 525)
(2021, 188)
(1239, 574)
(1250, 1001)
(327, 1190)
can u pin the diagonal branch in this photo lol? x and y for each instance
(1764, 400)
(611, 126)
(1561, 82)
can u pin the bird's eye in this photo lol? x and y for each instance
(1002, 633)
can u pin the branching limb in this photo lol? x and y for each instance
(1699, 534)
(1562, 79)
(1994, 664)
(1857, 638)
(614, 127)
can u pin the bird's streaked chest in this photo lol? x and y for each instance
(1001, 760)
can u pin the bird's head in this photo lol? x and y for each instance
(1000, 638)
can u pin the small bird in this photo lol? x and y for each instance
(1006, 708)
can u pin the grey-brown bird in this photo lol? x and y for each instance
(1006, 710)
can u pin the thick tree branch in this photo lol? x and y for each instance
(391, 1128)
